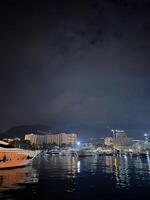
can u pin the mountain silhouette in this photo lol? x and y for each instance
(20, 131)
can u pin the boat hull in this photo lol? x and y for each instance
(86, 153)
(12, 159)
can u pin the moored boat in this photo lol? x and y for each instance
(14, 157)
(86, 152)
(68, 152)
(53, 152)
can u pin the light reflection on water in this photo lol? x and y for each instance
(62, 174)
(13, 178)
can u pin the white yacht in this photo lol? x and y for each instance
(86, 152)
(14, 157)
(53, 151)
(68, 152)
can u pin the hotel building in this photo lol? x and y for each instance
(59, 138)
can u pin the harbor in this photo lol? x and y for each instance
(53, 166)
(70, 177)
(75, 100)
(17, 153)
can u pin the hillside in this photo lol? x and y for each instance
(20, 131)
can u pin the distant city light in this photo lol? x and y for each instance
(78, 143)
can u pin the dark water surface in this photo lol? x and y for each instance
(58, 177)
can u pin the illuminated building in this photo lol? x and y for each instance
(108, 141)
(9, 140)
(120, 138)
(59, 138)
(35, 139)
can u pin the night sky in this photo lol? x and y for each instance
(73, 65)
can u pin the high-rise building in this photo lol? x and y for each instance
(120, 138)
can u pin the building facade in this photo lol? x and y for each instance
(59, 138)
(108, 141)
(34, 138)
(120, 138)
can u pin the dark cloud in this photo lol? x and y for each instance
(76, 65)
